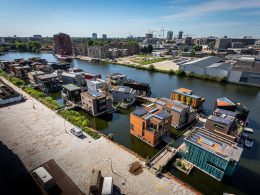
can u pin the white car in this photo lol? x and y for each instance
(76, 131)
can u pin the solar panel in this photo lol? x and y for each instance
(153, 110)
(208, 142)
(140, 112)
(94, 93)
(162, 115)
(160, 102)
(176, 109)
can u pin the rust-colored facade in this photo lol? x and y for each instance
(62, 44)
(186, 96)
(150, 125)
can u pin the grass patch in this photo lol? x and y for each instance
(150, 61)
(79, 120)
(46, 100)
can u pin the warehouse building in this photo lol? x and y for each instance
(210, 65)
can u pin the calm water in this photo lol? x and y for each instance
(247, 177)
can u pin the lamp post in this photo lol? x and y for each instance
(124, 182)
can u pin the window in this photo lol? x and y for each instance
(131, 126)
(219, 126)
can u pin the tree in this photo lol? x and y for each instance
(185, 49)
(149, 49)
(197, 48)
(151, 67)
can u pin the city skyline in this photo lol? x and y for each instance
(197, 18)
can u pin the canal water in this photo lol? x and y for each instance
(246, 179)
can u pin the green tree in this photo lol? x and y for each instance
(197, 48)
(185, 49)
(149, 49)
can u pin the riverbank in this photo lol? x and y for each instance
(37, 134)
(165, 66)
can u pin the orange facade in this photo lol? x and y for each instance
(140, 128)
(194, 102)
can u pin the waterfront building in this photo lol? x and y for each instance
(22, 71)
(116, 78)
(8, 95)
(96, 103)
(210, 65)
(49, 83)
(100, 52)
(91, 76)
(59, 66)
(94, 35)
(226, 104)
(62, 44)
(246, 70)
(181, 113)
(169, 35)
(123, 94)
(32, 76)
(142, 89)
(187, 97)
(73, 78)
(211, 153)
(71, 92)
(150, 124)
(96, 84)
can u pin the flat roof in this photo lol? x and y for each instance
(215, 144)
(71, 87)
(227, 120)
(226, 112)
(62, 180)
(186, 94)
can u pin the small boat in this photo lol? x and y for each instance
(248, 130)
(249, 142)
(63, 57)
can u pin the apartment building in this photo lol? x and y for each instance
(96, 103)
(62, 44)
(150, 124)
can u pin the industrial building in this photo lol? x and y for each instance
(224, 43)
(246, 70)
(150, 124)
(211, 153)
(210, 65)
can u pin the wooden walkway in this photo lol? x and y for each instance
(161, 158)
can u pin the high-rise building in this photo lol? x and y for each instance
(149, 35)
(104, 36)
(169, 35)
(180, 34)
(62, 44)
(94, 35)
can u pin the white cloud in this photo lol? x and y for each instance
(212, 6)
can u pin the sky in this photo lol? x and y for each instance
(121, 18)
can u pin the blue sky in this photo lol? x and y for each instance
(119, 18)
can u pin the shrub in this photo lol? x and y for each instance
(151, 67)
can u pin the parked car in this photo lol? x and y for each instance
(77, 131)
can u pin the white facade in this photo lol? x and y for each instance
(124, 94)
(96, 84)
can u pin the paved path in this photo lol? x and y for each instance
(38, 134)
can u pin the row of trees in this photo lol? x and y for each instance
(31, 46)
(147, 49)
